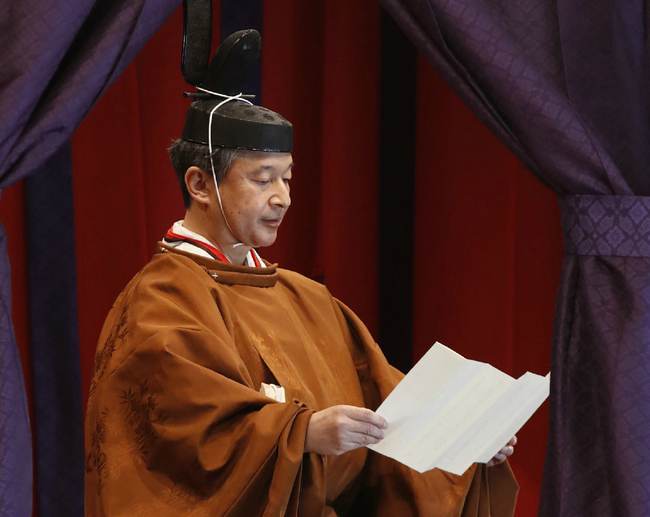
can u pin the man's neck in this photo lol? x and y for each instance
(221, 238)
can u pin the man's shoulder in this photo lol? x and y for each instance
(293, 277)
(165, 270)
(302, 285)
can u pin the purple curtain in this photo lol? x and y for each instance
(57, 59)
(564, 84)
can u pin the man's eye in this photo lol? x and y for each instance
(262, 182)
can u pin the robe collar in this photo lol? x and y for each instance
(180, 237)
(226, 273)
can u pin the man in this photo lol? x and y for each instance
(224, 385)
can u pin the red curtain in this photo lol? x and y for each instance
(488, 243)
(488, 255)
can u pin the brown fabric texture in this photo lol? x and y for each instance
(176, 424)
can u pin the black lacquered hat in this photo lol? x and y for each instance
(221, 115)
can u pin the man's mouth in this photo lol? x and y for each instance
(272, 222)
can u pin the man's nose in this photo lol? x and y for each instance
(281, 196)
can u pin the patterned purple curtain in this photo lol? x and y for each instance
(564, 84)
(57, 59)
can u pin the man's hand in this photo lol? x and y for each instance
(340, 429)
(504, 453)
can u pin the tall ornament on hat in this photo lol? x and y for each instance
(221, 115)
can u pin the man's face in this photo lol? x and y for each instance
(255, 196)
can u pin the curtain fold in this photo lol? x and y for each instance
(57, 60)
(15, 434)
(56, 370)
(564, 86)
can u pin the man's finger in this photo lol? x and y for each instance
(366, 429)
(362, 440)
(366, 415)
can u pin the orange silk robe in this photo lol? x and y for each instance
(176, 424)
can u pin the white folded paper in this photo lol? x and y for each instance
(450, 412)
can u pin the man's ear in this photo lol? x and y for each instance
(198, 184)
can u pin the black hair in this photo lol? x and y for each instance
(185, 154)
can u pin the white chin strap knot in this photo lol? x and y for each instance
(226, 98)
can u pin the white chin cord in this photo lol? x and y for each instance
(227, 98)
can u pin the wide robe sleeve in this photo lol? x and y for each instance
(174, 424)
(391, 488)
